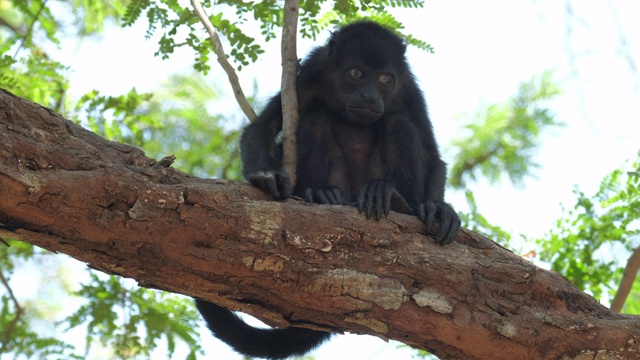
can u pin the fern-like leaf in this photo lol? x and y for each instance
(134, 10)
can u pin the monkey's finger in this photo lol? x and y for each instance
(258, 181)
(283, 182)
(329, 196)
(337, 195)
(268, 183)
(450, 226)
(389, 190)
(379, 210)
(320, 198)
(455, 228)
(370, 197)
(253, 179)
(362, 197)
(421, 212)
(430, 210)
(308, 195)
(444, 236)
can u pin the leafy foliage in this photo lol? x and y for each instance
(25, 66)
(134, 10)
(46, 87)
(180, 26)
(475, 221)
(30, 344)
(17, 333)
(505, 140)
(6, 78)
(170, 122)
(30, 13)
(205, 144)
(175, 21)
(593, 239)
(116, 117)
(92, 15)
(115, 316)
(19, 251)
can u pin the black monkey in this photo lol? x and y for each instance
(364, 138)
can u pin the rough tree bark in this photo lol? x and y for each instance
(67, 190)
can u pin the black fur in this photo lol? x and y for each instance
(264, 343)
(364, 138)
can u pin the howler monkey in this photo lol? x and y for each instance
(364, 138)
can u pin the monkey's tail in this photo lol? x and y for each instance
(265, 343)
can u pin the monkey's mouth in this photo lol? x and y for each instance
(363, 115)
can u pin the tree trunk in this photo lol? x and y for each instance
(67, 190)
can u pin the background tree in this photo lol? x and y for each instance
(590, 244)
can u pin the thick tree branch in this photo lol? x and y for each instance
(326, 267)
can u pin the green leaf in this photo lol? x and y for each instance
(506, 136)
(604, 223)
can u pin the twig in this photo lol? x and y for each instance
(624, 48)
(25, 38)
(288, 93)
(14, 322)
(222, 59)
(628, 277)
(4, 23)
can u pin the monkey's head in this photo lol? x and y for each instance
(365, 65)
(363, 92)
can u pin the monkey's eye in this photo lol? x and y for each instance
(356, 73)
(385, 79)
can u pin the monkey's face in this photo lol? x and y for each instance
(362, 93)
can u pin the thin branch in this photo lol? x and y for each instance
(289, 93)
(623, 44)
(628, 277)
(14, 322)
(6, 24)
(30, 29)
(226, 66)
(235, 152)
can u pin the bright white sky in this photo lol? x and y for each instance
(484, 49)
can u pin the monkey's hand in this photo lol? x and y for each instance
(377, 197)
(277, 183)
(448, 218)
(331, 196)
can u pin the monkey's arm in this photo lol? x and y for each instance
(416, 170)
(262, 154)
